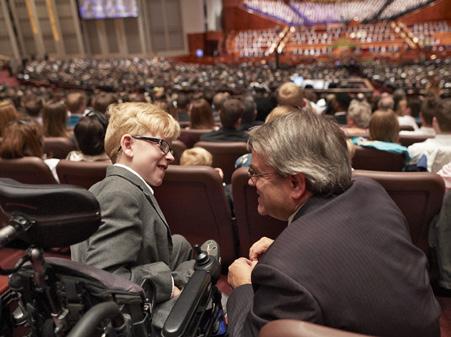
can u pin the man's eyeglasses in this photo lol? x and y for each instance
(254, 175)
(164, 145)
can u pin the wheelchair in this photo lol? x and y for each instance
(56, 297)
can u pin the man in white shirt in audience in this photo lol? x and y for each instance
(428, 108)
(435, 152)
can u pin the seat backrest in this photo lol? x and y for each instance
(80, 173)
(406, 128)
(193, 201)
(372, 159)
(177, 147)
(407, 140)
(251, 225)
(191, 136)
(58, 147)
(224, 155)
(418, 195)
(294, 328)
(27, 170)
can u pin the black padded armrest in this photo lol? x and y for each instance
(191, 300)
(61, 214)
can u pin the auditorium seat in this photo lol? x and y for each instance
(191, 136)
(406, 128)
(372, 159)
(58, 147)
(193, 201)
(251, 225)
(177, 147)
(84, 174)
(408, 140)
(294, 328)
(28, 170)
(419, 196)
(224, 155)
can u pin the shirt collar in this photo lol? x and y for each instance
(136, 174)
(292, 216)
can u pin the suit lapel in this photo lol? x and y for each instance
(132, 178)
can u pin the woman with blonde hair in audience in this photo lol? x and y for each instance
(54, 119)
(201, 115)
(383, 134)
(8, 113)
(24, 138)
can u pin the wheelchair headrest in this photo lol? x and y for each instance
(62, 214)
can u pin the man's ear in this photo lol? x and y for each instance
(126, 145)
(435, 125)
(298, 185)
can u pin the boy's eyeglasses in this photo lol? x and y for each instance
(164, 145)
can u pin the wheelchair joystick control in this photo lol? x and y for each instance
(201, 256)
(207, 258)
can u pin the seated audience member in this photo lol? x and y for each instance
(181, 111)
(358, 118)
(135, 240)
(218, 99)
(439, 236)
(435, 152)
(428, 108)
(8, 113)
(102, 100)
(386, 102)
(383, 133)
(278, 111)
(302, 174)
(198, 156)
(340, 106)
(445, 173)
(24, 138)
(404, 117)
(230, 115)
(90, 135)
(250, 113)
(200, 115)
(291, 94)
(54, 118)
(77, 107)
(33, 107)
(76, 103)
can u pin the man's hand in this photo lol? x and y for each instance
(259, 247)
(240, 272)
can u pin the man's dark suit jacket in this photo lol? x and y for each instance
(346, 262)
(225, 135)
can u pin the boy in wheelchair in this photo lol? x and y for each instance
(57, 297)
(134, 239)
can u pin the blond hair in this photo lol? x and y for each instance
(196, 156)
(8, 113)
(279, 111)
(290, 94)
(137, 118)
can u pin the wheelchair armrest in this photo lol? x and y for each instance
(191, 298)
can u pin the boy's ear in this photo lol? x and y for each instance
(127, 145)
